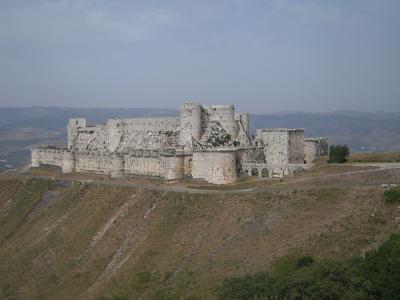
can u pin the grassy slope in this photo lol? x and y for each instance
(95, 241)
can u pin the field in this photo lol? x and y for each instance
(385, 157)
(82, 236)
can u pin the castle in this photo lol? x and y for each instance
(206, 142)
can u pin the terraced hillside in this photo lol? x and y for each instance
(75, 239)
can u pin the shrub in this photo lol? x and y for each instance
(305, 261)
(376, 276)
(257, 286)
(392, 195)
(338, 154)
(382, 268)
(325, 280)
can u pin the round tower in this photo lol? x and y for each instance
(190, 123)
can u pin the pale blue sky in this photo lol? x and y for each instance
(263, 56)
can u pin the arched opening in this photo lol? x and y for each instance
(254, 171)
(265, 172)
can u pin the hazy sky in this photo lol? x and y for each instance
(263, 56)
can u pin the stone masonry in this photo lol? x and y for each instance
(206, 142)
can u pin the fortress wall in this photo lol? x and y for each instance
(114, 133)
(147, 166)
(200, 165)
(91, 138)
(93, 162)
(224, 114)
(173, 167)
(215, 167)
(187, 165)
(150, 124)
(123, 134)
(45, 156)
(68, 165)
(296, 146)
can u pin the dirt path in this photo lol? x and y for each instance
(179, 189)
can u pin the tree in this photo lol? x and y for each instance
(338, 154)
(376, 276)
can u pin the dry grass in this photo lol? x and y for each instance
(96, 241)
(385, 157)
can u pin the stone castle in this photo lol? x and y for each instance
(206, 142)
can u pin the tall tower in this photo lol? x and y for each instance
(190, 125)
(72, 130)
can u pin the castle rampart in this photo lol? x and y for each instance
(207, 142)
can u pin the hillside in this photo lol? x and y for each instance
(79, 236)
(23, 128)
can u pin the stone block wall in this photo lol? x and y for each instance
(173, 167)
(282, 145)
(314, 148)
(92, 162)
(146, 166)
(121, 135)
(275, 145)
(47, 156)
(296, 146)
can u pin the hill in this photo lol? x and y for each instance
(23, 128)
(80, 236)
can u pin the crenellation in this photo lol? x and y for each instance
(210, 142)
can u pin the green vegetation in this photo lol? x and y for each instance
(374, 277)
(338, 154)
(392, 195)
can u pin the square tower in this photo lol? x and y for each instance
(282, 145)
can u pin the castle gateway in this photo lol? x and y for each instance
(206, 142)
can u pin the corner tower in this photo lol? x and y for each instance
(190, 123)
(72, 130)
